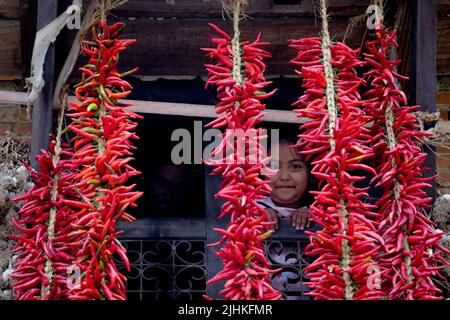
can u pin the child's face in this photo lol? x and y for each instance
(290, 182)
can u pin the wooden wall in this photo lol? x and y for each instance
(170, 36)
(443, 91)
(17, 31)
(10, 50)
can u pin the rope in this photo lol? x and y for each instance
(392, 142)
(328, 69)
(332, 110)
(48, 269)
(235, 45)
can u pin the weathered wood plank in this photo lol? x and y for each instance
(28, 16)
(167, 108)
(403, 23)
(443, 7)
(212, 8)
(424, 39)
(163, 228)
(172, 46)
(10, 50)
(188, 228)
(42, 109)
(191, 110)
(423, 70)
(443, 44)
(12, 97)
(9, 9)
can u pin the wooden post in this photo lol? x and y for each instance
(212, 208)
(28, 15)
(423, 69)
(42, 109)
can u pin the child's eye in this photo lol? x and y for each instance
(296, 166)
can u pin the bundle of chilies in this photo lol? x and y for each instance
(43, 253)
(92, 195)
(246, 270)
(388, 250)
(336, 141)
(413, 251)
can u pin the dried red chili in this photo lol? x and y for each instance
(245, 268)
(43, 259)
(413, 249)
(102, 150)
(91, 192)
(335, 141)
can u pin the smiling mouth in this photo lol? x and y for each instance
(285, 187)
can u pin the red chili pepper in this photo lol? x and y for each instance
(84, 230)
(342, 240)
(239, 108)
(399, 168)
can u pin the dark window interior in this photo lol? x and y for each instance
(193, 91)
(169, 190)
(178, 190)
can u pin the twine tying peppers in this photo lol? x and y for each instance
(238, 74)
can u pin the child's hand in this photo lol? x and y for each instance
(272, 216)
(300, 219)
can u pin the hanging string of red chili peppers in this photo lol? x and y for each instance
(413, 249)
(67, 253)
(47, 247)
(102, 152)
(238, 75)
(337, 141)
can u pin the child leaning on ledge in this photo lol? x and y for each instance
(290, 185)
(289, 200)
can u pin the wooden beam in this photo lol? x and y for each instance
(171, 47)
(42, 109)
(163, 228)
(257, 8)
(423, 69)
(12, 97)
(193, 110)
(189, 228)
(167, 108)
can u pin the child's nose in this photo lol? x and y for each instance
(284, 175)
